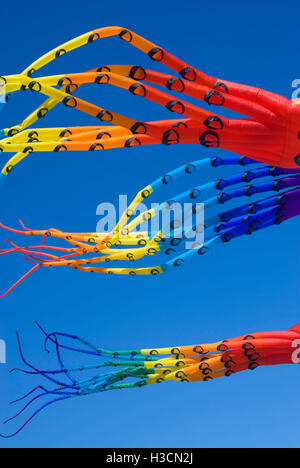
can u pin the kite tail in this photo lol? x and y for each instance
(139, 367)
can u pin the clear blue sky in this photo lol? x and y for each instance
(249, 285)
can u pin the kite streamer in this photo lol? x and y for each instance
(173, 242)
(270, 135)
(140, 367)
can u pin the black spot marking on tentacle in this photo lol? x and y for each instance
(219, 227)
(248, 346)
(224, 197)
(250, 190)
(154, 271)
(126, 35)
(253, 226)
(203, 250)
(33, 134)
(276, 171)
(227, 237)
(176, 106)
(139, 127)
(70, 101)
(42, 112)
(103, 78)
(244, 161)
(190, 168)
(104, 69)
(195, 193)
(60, 148)
(248, 176)
(175, 242)
(215, 98)
(229, 364)
(35, 86)
(166, 179)
(216, 162)
(171, 137)
(189, 74)
(93, 37)
(102, 134)
(176, 84)
(71, 88)
(145, 194)
(221, 184)
(210, 139)
(219, 86)
(222, 347)
(103, 114)
(132, 142)
(156, 54)
(178, 262)
(180, 124)
(254, 208)
(135, 71)
(63, 81)
(278, 185)
(198, 349)
(60, 52)
(253, 365)
(30, 72)
(203, 365)
(170, 251)
(136, 87)
(226, 358)
(96, 146)
(225, 217)
(28, 149)
(214, 122)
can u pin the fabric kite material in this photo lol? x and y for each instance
(140, 367)
(174, 241)
(270, 134)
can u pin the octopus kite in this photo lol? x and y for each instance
(140, 367)
(166, 231)
(270, 134)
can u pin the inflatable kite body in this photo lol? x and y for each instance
(189, 223)
(270, 134)
(140, 367)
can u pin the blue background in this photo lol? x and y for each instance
(249, 285)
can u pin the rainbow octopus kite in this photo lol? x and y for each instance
(196, 363)
(184, 234)
(270, 134)
(268, 141)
